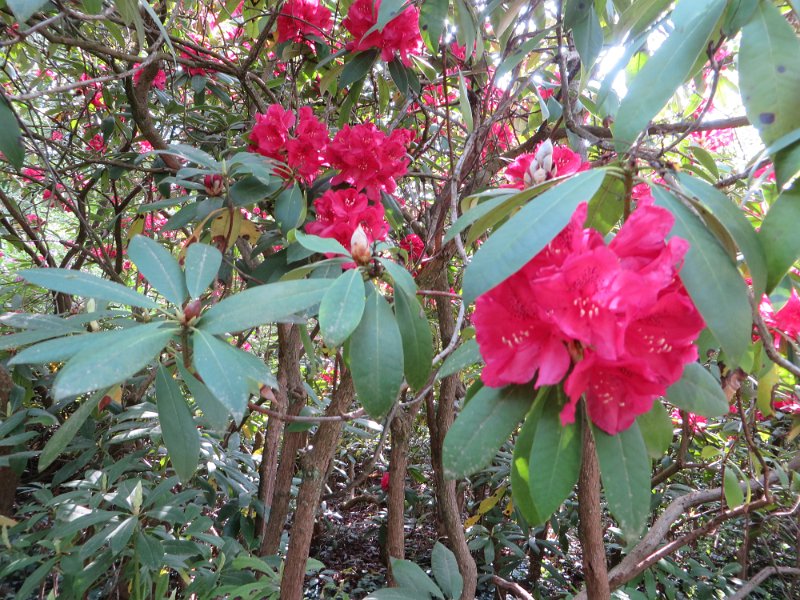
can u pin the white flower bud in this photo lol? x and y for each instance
(359, 246)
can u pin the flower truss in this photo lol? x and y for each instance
(615, 319)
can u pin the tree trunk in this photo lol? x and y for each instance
(289, 377)
(315, 465)
(590, 527)
(398, 463)
(289, 366)
(439, 423)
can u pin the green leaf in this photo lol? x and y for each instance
(625, 470)
(399, 74)
(417, 338)
(656, 428)
(357, 68)
(224, 371)
(215, 414)
(159, 267)
(712, 280)
(637, 17)
(290, 208)
(119, 536)
(11, 136)
(201, 266)
(586, 31)
(24, 9)
(523, 52)
(64, 434)
(409, 576)
(341, 307)
(77, 283)
(656, 82)
(432, 16)
(465, 355)
(520, 465)
(177, 426)
(483, 425)
(270, 303)
(463, 99)
(445, 571)
(400, 276)
(778, 236)
(249, 190)
(376, 356)
(123, 354)
(64, 348)
(320, 244)
(734, 496)
(698, 392)
(525, 234)
(736, 224)
(149, 550)
(769, 73)
(607, 205)
(555, 460)
(472, 215)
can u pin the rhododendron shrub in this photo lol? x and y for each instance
(612, 322)
(341, 212)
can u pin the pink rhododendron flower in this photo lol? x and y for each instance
(341, 212)
(302, 18)
(368, 159)
(97, 143)
(546, 163)
(301, 149)
(400, 35)
(385, 481)
(618, 314)
(770, 176)
(787, 319)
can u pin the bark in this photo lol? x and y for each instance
(315, 465)
(9, 479)
(398, 462)
(289, 378)
(590, 527)
(749, 587)
(439, 422)
(292, 443)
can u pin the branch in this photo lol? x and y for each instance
(751, 585)
(514, 588)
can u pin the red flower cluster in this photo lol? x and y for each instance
(546, 163)
(400, 35)
(301, 150)
(340, 212)
(302, 18)
(786, 320)
(618, 314)
(369, 159)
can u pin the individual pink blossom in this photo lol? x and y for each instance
(385, 481)
(770, 173)
(618, 315)
(368, 159)
(300, 19)
(787, 319)
(400, 35)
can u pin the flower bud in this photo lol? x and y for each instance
(214, 184)
(192, 310)
(359, 246)
(534, 176)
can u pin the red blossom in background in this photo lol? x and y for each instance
(302, 18)
(400, 35)
(787, 319)
(159, 81)
(369, 159)
(618, 314)
(97, 143)
(415, 247)
(385, 481)
(696, 422)
(341, 212)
